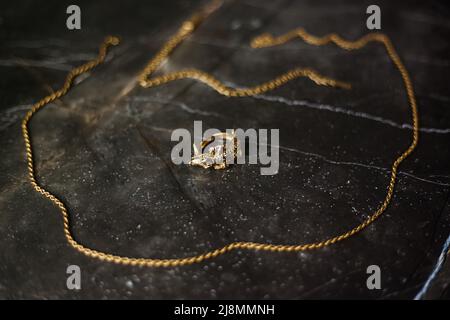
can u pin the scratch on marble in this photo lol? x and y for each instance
(35, 44)
(440, 176)
(425, 60)
(326, 107)
(181, 105)
(349, 163)
(160, 129)
(49, 64)
(12, 114)
(439, 97)
(325, 284)
(427, 19)
(57, 62)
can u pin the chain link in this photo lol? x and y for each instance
(265, 40)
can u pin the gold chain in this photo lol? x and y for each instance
(262, 41)
(186, 29)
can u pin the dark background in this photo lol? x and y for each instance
(106, 152)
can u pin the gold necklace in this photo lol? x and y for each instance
(263, 41)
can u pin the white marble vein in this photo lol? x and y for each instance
(358, 114)
(350, 163)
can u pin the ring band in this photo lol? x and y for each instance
(219, 156)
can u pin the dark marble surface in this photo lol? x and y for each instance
(105, 150)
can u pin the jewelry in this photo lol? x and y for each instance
(186, 30)
(264, 41)
(220, 156)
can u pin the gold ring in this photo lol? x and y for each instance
(218, 156)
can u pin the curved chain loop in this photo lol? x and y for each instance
(262, 41)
